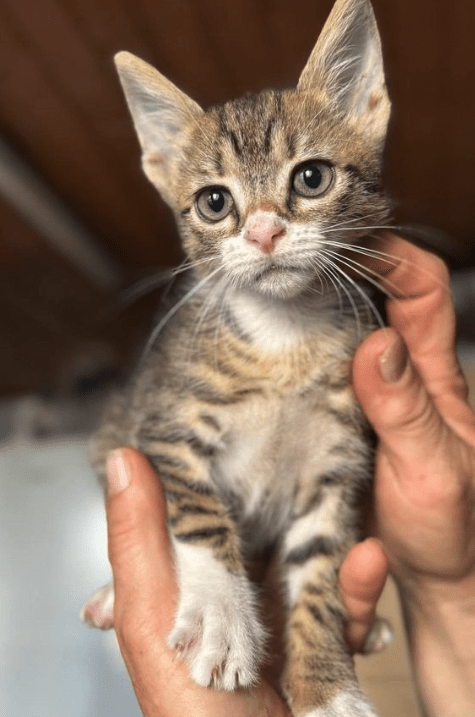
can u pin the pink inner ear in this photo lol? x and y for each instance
(264, 230)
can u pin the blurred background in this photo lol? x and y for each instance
(79, 223)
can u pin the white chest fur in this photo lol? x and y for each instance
(275, 325)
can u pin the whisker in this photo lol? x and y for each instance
(360, 268)
(366, 299)
(367, 275)
(321, 266)
(189, 264)
(209, 304)
(156, 281)
(144, 286)
(176, 308)
(372, 228)
(367, 251)
(334, 271)
(345, 222)
(417, 267)
(392, 259)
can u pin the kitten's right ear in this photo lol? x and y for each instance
(347, 64)
(160, 112)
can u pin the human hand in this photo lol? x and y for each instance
(411, 388)
(416, 400)
(146, 593)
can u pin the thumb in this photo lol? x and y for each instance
(394, 398)
(139, 549)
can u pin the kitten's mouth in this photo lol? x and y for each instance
(276, 269)
(280, 280)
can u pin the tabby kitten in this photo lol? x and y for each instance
(243, 401)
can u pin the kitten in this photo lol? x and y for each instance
(243, 400)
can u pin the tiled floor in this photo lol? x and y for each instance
(52, 558)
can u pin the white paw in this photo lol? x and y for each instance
(379, 637)
(99, 610)
(345, 704)
(217, 628)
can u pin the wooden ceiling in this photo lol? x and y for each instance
(62, 110)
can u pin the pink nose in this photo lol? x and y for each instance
(264, 230)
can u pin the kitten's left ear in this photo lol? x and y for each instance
(347, 65)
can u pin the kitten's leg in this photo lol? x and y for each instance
(217, 627)
(319, 679)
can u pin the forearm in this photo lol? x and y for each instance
(442, 643)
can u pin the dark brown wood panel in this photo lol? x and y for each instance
(432, 77)
(62, 104)
(64, 115)
(62, 107)
(50, 313)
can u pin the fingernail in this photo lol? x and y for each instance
(118, 473)
(394, 361)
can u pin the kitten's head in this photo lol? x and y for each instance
(267, 186)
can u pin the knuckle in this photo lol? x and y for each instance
(412, 413)
(439, 268)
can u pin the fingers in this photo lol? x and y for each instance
(139, 550)
(395, 399)
(422, 312)
(362, 578)
(421, 309)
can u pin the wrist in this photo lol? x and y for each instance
(444, 607)
(430, 598)
(440, 621)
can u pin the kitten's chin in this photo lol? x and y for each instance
(278, 283)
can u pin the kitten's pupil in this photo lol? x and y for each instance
(312, 177)
(216, 201)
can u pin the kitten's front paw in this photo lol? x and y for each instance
(347, 703)
(99, 610)
(217, 630)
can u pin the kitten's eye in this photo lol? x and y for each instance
(214, 203)
(312, 179)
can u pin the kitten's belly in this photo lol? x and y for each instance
(272, 464)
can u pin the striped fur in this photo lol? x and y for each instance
(243, 400)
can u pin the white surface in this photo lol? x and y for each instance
(53, 556)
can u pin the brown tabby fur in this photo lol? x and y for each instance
(258, 441)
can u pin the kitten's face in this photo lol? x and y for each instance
(264, 188)
(264, 183)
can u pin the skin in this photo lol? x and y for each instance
(411, 388)
(425, 476)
